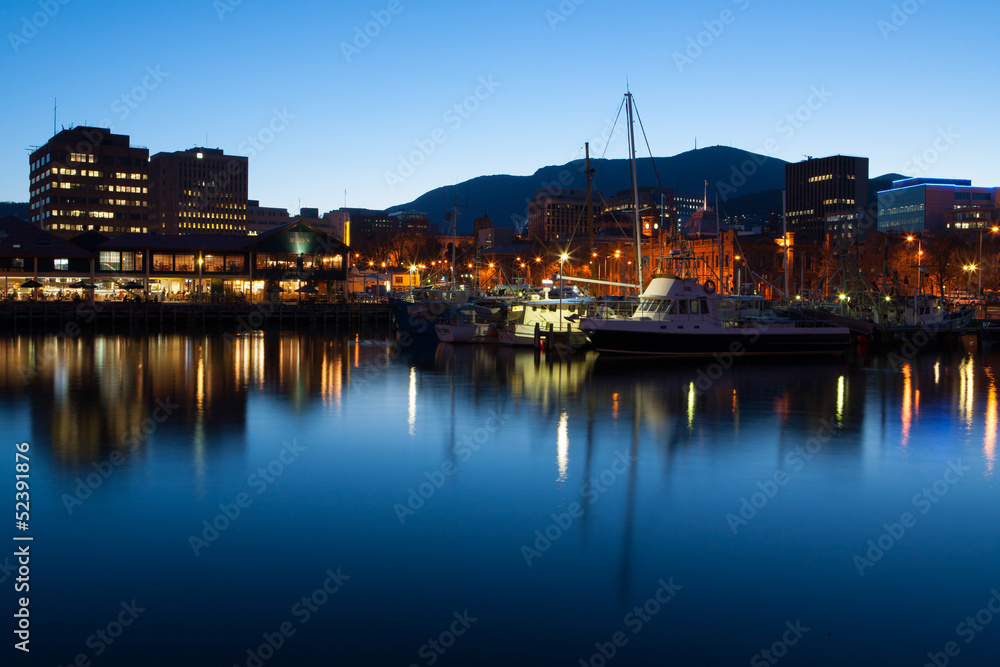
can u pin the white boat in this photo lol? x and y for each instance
(678, 317)
(472, 324)
(547, 313)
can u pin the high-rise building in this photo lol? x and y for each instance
(820, 189)
(88, 178)
(198, 191)
(560, 215)
(918, 204)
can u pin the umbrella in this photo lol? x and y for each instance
(132, 285)
(275, 288)
(83, 284)
(32, 283)
(307, 289)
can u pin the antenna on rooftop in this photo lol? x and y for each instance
(55, 107)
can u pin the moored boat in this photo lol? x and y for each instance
(678, 317)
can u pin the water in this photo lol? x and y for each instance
(441, 495)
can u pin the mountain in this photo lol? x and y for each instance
(730, 172)
(16, 209)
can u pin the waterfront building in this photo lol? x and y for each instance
(198, 191)
(925, 204)
(88, 178)
(276, 263)
(28, 253)
(823, 195)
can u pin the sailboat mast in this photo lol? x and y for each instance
(637, 221)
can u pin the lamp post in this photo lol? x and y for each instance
(201, 260)
(919, 253)
(562, 258)
(968, 268)
(979, 293)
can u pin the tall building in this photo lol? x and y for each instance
(656, 205)
(560, 215)
(88, 178)
(818, 189)
(918, 204)
(198, 191)
(412, 222)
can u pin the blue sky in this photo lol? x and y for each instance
(321, 107)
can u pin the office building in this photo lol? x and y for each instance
(818, 189)
(86, 178)
(198, 191)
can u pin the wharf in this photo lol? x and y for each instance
(72, 318)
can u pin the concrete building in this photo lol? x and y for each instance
(262, 218)
(198, 191)
(818, 188)
(924, 204)
(656, 207)
(88, 178)
(557, 216)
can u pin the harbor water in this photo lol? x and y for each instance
(307, 499)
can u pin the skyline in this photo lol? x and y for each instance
(456, 93)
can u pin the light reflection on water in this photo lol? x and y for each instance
(494, 443)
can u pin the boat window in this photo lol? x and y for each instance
(694, 308)
(682, 307)
(704, 306)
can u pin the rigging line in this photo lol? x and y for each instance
(613, 126)
(646, 140)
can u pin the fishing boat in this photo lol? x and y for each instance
(417, 312)
(471, 323)
(556, 310)
(679, 317)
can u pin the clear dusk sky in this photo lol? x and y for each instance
(320, 106)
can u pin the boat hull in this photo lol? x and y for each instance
(483, 334)
(633, 340)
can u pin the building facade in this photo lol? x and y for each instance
(560, 215)
(198, 191)
(262, 218)
(88, 178)
(816, 189)
(928, 204)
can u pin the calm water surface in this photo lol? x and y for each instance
(476, 506)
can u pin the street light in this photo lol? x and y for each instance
(968, 268)
(994, 230)
(562, 258)
(919, 253)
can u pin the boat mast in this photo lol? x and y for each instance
(784, 242)
(637, 221)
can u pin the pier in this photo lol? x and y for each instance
(152, 317)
